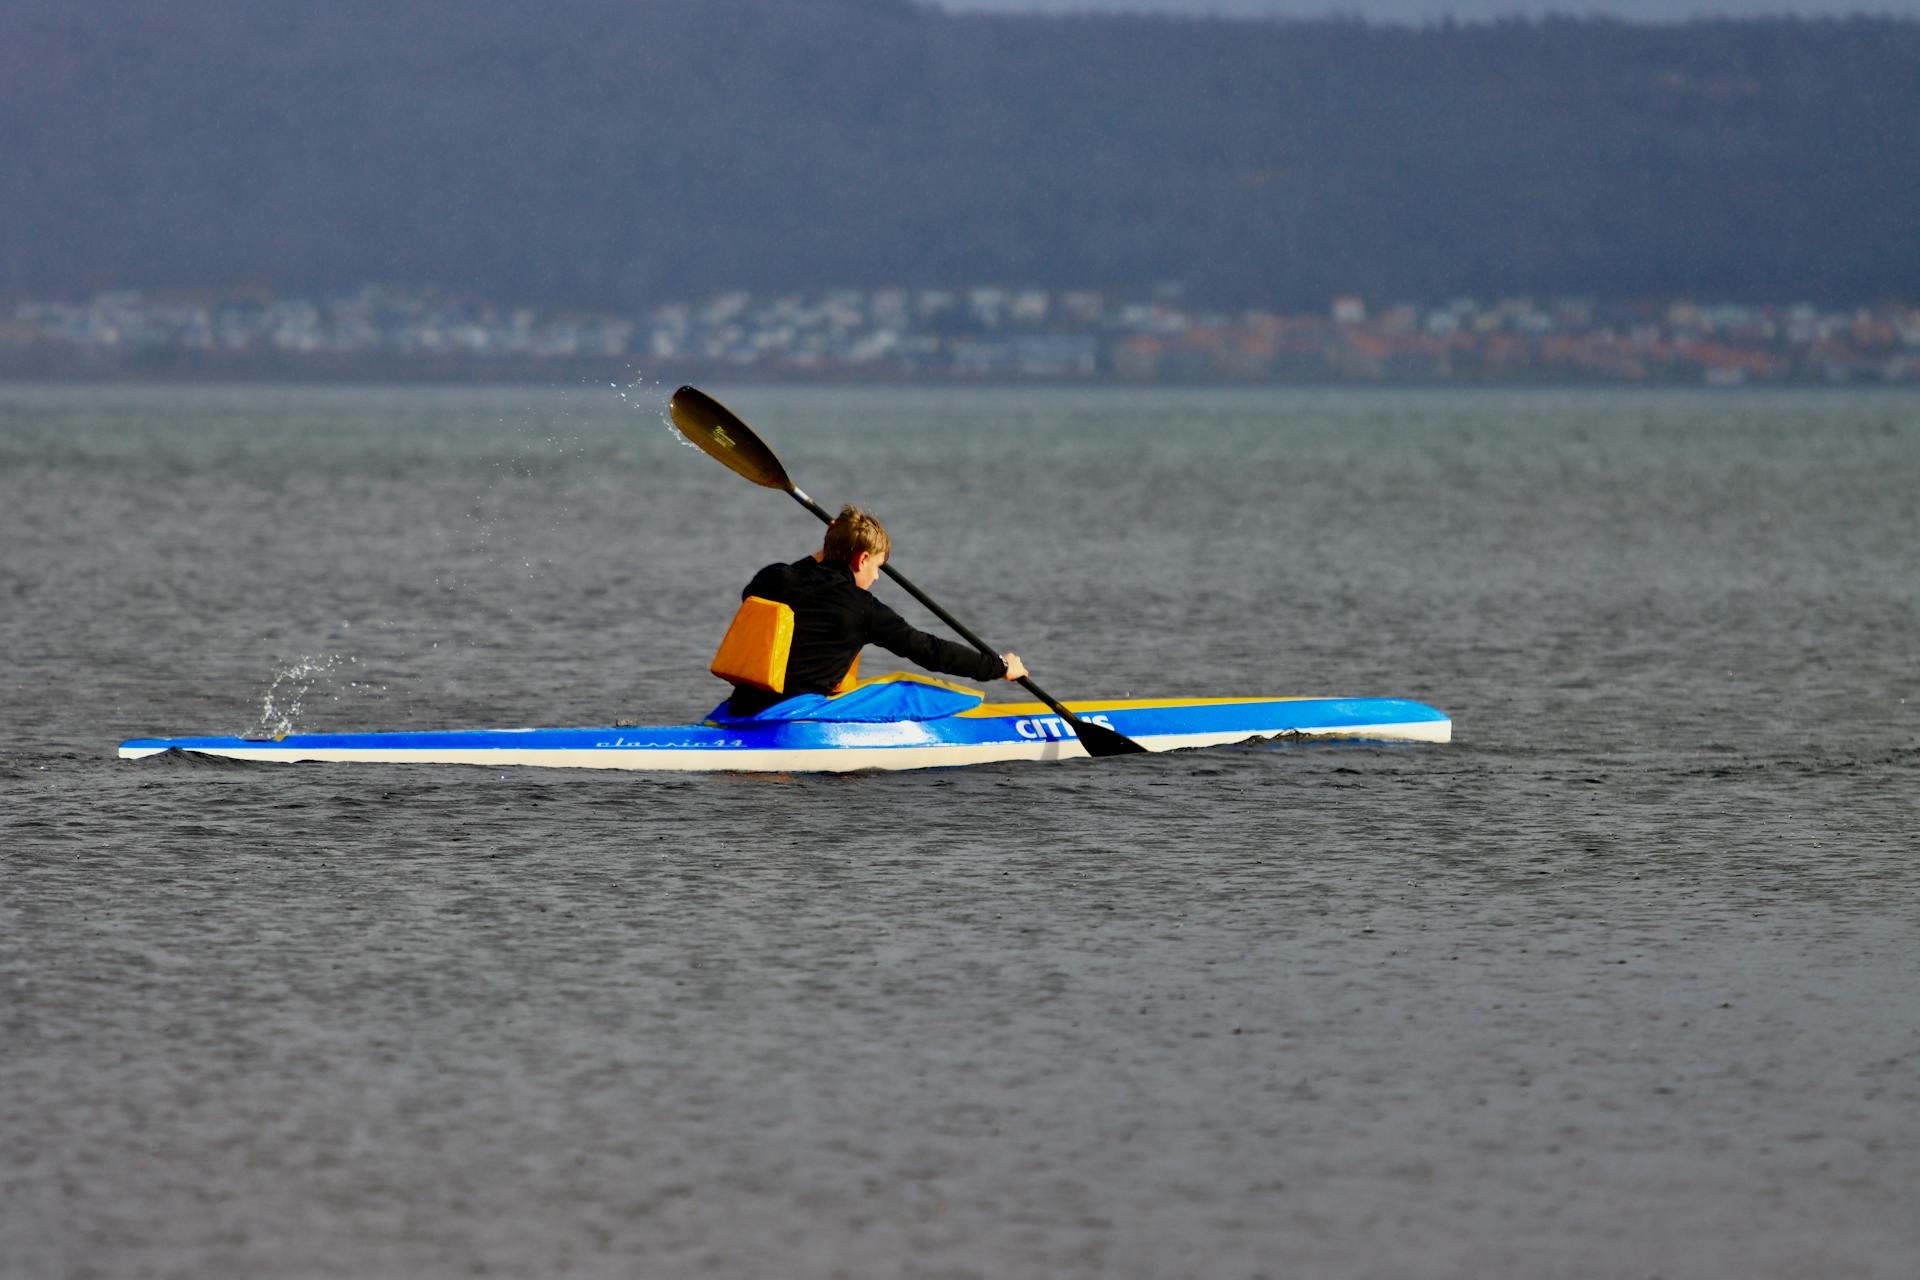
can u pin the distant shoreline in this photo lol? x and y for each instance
(321, 371)
(982, 336)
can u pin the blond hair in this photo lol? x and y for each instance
(852, 532)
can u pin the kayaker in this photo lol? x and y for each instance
(835, 614)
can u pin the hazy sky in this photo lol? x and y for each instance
(1427, 10)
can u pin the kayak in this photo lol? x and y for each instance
(981, 733)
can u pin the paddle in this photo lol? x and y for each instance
(715, 429)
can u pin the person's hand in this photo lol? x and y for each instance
(1015, 668)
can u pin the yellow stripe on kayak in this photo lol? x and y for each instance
(993, 709)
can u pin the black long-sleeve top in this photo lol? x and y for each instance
(832, 619)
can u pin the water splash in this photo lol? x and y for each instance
(678, 434)
(642, 394)
(286, 697)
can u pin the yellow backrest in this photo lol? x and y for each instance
(754, 650)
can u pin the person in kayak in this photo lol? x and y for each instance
(835, 614)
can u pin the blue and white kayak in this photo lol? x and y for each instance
(979, 733)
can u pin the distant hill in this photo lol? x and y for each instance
(615, 152)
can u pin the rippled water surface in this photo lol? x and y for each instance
(1624, 982)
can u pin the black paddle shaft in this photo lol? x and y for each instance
(1098, 739)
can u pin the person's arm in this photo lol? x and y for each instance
(892, 632)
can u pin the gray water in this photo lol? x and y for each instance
(1623, 983)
